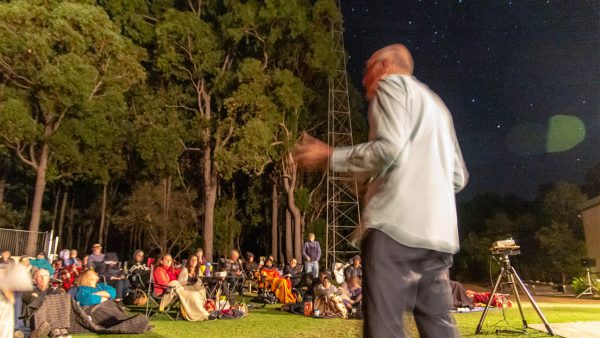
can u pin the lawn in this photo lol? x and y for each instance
(269, 322)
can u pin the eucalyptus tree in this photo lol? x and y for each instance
(64, 67)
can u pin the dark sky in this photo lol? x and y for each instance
(505, 69)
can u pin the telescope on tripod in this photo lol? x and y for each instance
(505, 249)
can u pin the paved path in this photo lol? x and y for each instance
(572, 330)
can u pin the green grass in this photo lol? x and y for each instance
(269, 322)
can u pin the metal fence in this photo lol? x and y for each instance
(16, 241)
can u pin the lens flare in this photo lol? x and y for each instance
(527, 139)
(564, 133)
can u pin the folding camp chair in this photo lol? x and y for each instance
(153, 305)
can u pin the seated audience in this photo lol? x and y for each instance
(41, 262)
(235, 275)
(352, 295)
(354, 270)
(90, 292)
(96, 256)
(138, 271)
(205, 266)
(113, 274)
(164, 274)
(24, 261)
(5, 258)
(328, 302)
(14, 280)
(63, 255)
(250, 265)
(102, 315)
(73, 260)
(190, 274)
(191, 296)
(33, 301)
(293, 271)
(271, 280)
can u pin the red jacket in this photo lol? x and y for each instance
(162, 278)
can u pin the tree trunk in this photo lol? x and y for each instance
(101, 238)
(289, 250)
(55, 212)
(38, 197)
(274, 217)
(61, 218)
(210, 181)
(290, 177)
(2, 189)
(297, 234)
(71, 227)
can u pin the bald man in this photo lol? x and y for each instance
(414, 167)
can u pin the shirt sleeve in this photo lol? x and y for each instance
(111, 290)
(390, 129)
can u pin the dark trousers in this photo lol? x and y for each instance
(399, 279)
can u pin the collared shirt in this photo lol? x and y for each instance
(414, 165)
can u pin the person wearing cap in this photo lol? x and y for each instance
(354, 270)
(96, 256)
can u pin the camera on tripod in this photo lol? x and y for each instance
(505, 247)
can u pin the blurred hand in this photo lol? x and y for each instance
(311, 153)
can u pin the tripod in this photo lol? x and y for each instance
(512, 278)
(591, 288)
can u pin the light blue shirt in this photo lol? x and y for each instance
(414, 165)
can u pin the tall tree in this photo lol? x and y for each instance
(58, 62)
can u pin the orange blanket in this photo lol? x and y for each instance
(281, 287)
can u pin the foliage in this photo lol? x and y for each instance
(580, 284)
(227, 227)
(167, 218)
(561, 248)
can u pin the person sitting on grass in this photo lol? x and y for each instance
(352, 295)
(354, 270)
(273, 281)
(328, 301)
(90, 292)
(105, 315)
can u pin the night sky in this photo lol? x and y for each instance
(521, 79)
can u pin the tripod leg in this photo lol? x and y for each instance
(489, 303)
(533, 303)
(511, 279)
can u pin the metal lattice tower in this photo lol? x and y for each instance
(343, 210)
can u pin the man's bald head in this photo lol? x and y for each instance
(41, 277)
(393, 59)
